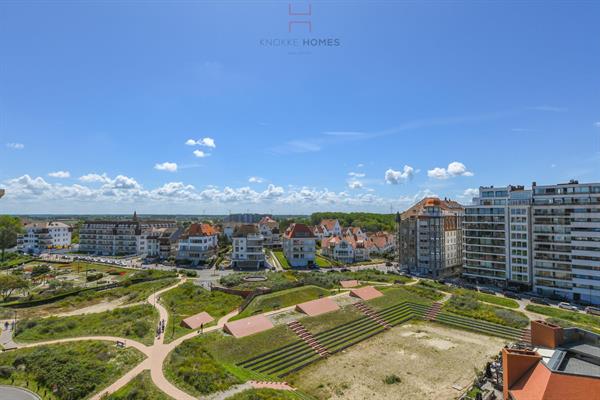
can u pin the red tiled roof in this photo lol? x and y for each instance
(248, 326)
(329, 224)
(299, 231)
(317, 307)
(199, 230)
(366, 293)
(195, 321)
(539, 383)
(432, 201)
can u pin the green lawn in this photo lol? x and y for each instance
(564, 317)
(139, 388)
(14, 259)
(275, 280)
(467, 304)
(189, 299)
(395, 295)
(501, 301)
(324, 262)
(282, 299)
(281, 258)
(331, 320)
(136, 322)
(75, 370)
(263, 394)
(195, 370)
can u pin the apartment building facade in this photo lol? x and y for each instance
(299, 245)
(431, 238)
(198, 243)
(40, 236)
(118, 237)
(546, 239)
(269, 228)
(248, 250)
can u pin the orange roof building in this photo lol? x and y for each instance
(563, 364)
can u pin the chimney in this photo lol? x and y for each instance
(545, 334)
(515, 363)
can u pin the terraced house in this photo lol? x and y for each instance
(431, 237)
(546, 238)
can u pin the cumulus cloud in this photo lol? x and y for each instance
(355, 184)
(200, 154)
(454, 169)
(15, 146)
(471, 192)
(396, 177)
(206, 142)
(256, 179)
(93, 177)
(60, 174)
(166, 166)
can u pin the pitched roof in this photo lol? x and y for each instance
(296, 230)
(366, 293)
(329, 224)
(445, 204)
(199, 230)
(248, 326)
(317, 307)
(195, 321)
(270, 222)
(349, 284)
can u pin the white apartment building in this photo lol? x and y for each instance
(198, 243)
(118, 237)
(497, 241)
(40, 236)
(299, 245)
(248, 252)
(546, 239)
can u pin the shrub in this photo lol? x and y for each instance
(392, 379)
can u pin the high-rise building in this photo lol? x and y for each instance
(546, 239)
(430, 239)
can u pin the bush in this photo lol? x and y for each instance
(392, 379)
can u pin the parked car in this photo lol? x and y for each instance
(566, 306)
(511, 295)
(592, 310)
(539, 300)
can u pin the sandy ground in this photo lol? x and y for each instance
(430, 360)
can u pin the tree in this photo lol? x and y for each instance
(10, 283)
(10, 227)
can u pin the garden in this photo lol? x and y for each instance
(566, 318)
(467, 304)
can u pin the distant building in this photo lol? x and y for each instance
(431, 238)
(347, 249)
(299, 245)
(247, 246)
(356, 231)
(2, 193)
(197, 243)
(269, 228)
(383, 242)
(42, 236)
(563, 363)
(244, 218)
(331, 227)
(118, 237)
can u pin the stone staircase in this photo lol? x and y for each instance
(308, 338)
(374, 315)
(526, 337)
(433, 311)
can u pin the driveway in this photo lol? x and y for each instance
(15, 393)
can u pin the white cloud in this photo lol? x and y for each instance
(94, 178)
(597, 124)
(256, 179)
(455, 168)
(200, 154)
(471, 192)
(206, 142)
(355, 184)
(549, 108)
(357, 174)
(15, 146)
(60, 174)
(166, 166)
(395, 177)
(360, 165)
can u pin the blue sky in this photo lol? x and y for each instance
(98, 100)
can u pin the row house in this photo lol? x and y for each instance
(41, 236)
(383, 243)
(299, 245)
(248, 248)
(198, 243)
(347, 249)
(330, 227)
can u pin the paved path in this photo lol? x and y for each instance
(16, 393)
